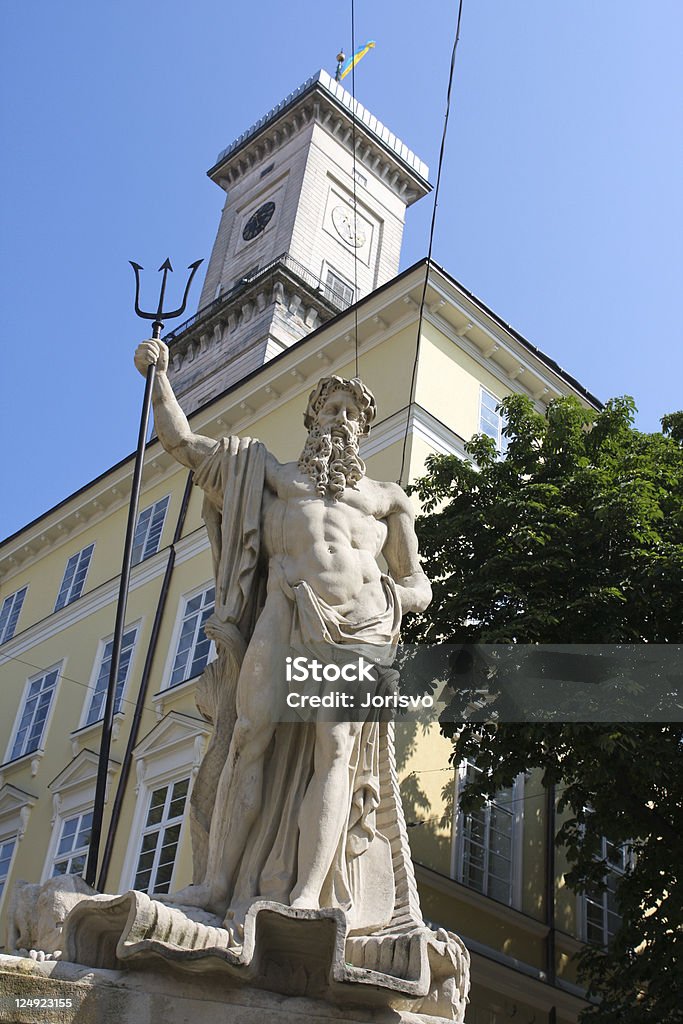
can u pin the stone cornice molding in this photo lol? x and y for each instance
(495, 345)
(420, 424)
(276, 285)
(324, 102)
(293, 373)
(91, 602)
(98, 500)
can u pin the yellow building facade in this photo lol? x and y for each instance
(245, 364)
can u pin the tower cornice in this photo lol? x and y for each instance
(321, 100)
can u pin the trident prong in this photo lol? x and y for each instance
(160, 316)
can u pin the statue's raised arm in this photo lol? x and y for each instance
(170, 421)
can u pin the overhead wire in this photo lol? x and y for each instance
(355, 201)
(411, 400)
(447, 812)
(77, 682)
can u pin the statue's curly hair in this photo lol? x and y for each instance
(362, 396)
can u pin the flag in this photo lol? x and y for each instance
(354, 58)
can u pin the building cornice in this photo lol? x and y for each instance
(103, 496)
(482, 904)
(291, 374)
(283, 282)
(480, 326)
(90, 602)
(502, 973)
(323, 101)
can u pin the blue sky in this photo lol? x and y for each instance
(561, 197)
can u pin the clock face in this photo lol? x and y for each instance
(342, 218)
(258, 220)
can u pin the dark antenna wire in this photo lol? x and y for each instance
(411, 400)
(355, 210)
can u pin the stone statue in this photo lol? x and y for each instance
(316, 528)
(302, 877)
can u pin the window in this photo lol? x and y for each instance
(600, 914)
(161, 837)
(490, 420)
(266, 170)
(74, 841)
(97, 702)
(341, 291)
(360, 178)
(487, 849)
(74, 577)
(11, 608)
(6, 853)
(194, 647)
(148, 530)
(172, 751)
(33, 715)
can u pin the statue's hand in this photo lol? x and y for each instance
(151, 353)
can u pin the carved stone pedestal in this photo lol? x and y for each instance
(73, 994)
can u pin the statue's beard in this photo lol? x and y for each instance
(330, 459)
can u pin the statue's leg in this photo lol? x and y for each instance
(238, 792)
(238, 795)
(325, 809)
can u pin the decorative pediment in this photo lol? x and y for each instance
(74, 788)
(80, 773)
(177, 740)
(175, 729)
(15, 808)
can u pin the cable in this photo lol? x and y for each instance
(355, 207)
(79, 682)
(411, 401)
(449, 810)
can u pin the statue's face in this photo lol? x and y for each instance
(330, 457)
(339, 409)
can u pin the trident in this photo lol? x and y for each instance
(159, 317)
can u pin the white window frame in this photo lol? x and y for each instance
(9, 614)
(516, 840)
(10, 862)
(10, 756)
(159, 830)
(81, 850)
(92, 690)
(327, 287)
(67, 591)
(584, 898)
(172, 751)
(73, 793)
(499, 439)
(177, 632)
(15, 810)
(142, 543)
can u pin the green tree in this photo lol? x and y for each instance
(576, 536)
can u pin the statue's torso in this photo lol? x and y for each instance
(332, 545)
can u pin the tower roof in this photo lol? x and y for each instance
(373, 138)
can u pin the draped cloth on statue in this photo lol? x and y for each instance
(360, 880)
(232, 479)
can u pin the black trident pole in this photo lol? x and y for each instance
(105, 747)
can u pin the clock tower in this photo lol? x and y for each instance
(303, 234)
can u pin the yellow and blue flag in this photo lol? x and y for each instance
(353, 59)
